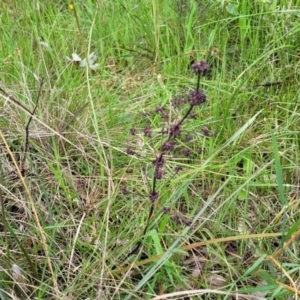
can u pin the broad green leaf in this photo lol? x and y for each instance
(232, 9)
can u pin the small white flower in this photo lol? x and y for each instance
(75, 58)
(45, 45)
(92, 58)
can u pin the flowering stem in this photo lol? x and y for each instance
(196, 97)
(198, 82)
(186, 115)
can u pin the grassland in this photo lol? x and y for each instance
(76, 167)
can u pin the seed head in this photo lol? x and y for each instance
(176, 218)
(208, 133)
(201, 68)
(148, 131)
(158, 174)
(166, 210)
(187, 222)
(124, 190)
(197, 97)
(205, 132)
(132, 131)
(188, 138)
(187, 152)
(175, 130)
(167, 146)
(159, 109)
(153, 196)
(130, 151)
(159, 162)
(178, 101)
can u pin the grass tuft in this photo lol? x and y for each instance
(84, 141)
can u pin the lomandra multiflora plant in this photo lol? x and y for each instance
(173, 133)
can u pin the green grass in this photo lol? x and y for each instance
(71, 221)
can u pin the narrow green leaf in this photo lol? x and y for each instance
(278, 292)
(278, 169)
(263, 288)
(264, 275)
(156, 241)
(292, 230)
(179, 251)
(256, 264)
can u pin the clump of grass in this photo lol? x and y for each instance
(76, 169)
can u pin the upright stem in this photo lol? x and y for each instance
(185, 116)
(198, 82)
